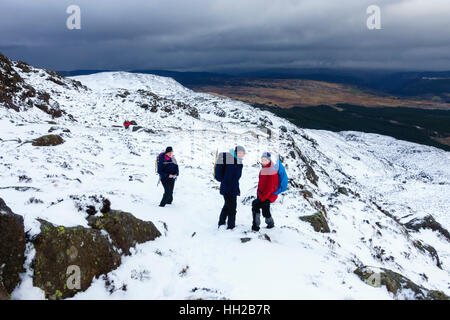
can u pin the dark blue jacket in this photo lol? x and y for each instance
(166, 167)
(228, 174)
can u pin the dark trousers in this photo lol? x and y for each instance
(168, 192)
(257, 207)
(228, 213)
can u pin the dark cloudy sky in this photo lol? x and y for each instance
(219, 35)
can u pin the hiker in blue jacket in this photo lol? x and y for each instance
(168, 172)
(228, 171)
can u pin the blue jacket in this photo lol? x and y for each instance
(228, 174)
(167, 166)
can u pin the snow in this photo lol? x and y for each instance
(97, 158)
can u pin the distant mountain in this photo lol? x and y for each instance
(427, 84)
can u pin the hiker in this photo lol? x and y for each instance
(228, 171)
(168, 172)
(126, 124)
(266, 193)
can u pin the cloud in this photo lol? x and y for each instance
(220, 35)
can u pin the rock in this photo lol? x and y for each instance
(91, 204)
(342, 190)
(3, 293)
(283, 129)
(124, 229)
(48, 140)
(427, 222)
(306, 194)
(398, 285)
(220, 113)
(318, 222)
(60, 249)
(244, 240)
(431, 251)
(12, 247)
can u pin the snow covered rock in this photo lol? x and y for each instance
(318, 222)
(48, 140)
(59, 248)
(12, 247)
(427, 222)
(124, 229)
(398, 285)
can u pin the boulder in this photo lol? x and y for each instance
(48, 140)
(61, 250)
(427, 222)
(318, 222)
(124, 229)
(3, 293)
(12, 248)
(400, 286)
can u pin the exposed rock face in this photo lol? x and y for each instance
(59, 248)
(124, 229)
(12, 248)
(427, 222)
(18, 95)
(431, 250)
(3, 294)
(318, 222)
(396, 283)
(10, 84)
(48, 140)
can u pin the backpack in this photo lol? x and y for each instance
(158, 159)
(219, 168)
(282, 178)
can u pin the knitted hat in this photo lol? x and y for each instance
(240, 148)
(266, 155)
(169, 149)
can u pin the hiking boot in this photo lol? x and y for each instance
(270, 223)
(256, 229)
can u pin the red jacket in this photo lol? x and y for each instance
(268, 183)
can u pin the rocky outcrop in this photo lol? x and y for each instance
(12, 248)
(431, 251)
(427, 222)
(318, 222)
(124, 229)
(48, 140)
(61, 252)
(3, 293)
(398, 285)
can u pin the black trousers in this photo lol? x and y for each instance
(257, 207)
(228, 213)
(168, 191)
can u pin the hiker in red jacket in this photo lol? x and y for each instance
(126, 124)
(267, 185)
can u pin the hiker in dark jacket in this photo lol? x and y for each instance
(229, 171)
(267, 186)
(168, 172)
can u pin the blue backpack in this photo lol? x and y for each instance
(283, 178)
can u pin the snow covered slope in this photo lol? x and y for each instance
(368, 186)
